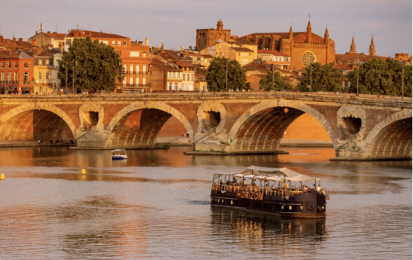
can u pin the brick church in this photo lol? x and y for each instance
(302, 47)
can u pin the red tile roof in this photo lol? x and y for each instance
(93, 34)
(273, 52)
(241, 49)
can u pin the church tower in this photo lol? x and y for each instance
(326, 36)
(309, 32)
(220, 25)
(372, 49)
(291, 38)
(353, 47)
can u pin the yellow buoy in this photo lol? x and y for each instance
(83, 171)
(2, 177)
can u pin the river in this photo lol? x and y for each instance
(156, 205)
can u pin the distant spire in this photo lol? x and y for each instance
(353, 46)
(309, 32)
(309, 25)
(372, 49)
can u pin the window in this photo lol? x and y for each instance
(2, 76)
(26, 77)
(26, 65)
(47, 62)
(40, 62)
(144, 54)
(134, 53)
(137, 81)
(15, 77)
(250, 54)
(137, 68)
(9, 64)
(68, 42)
(144, 69)
(113, 43)
(131, 81)
(8, 77)
(2, 65)
(184, 78)
(16, 65)
(47, 75)
(119, 43)
(124, 43)
(40, 75)
(239, 54)
(144, 81)
(131, 68)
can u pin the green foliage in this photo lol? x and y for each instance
(279, 83)
(324, 78)
(215, 75)
(382, 77)
(96, 65)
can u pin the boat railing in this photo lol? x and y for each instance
(281, 192)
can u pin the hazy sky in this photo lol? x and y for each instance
(174, 22)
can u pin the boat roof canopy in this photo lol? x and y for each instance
(272, 174)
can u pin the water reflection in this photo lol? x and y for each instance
(273, 235)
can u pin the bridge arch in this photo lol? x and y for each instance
(392, 137)
(138, 124)
(261, 127)
(36, 121)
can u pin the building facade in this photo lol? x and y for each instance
(303, 48)
(135, 58)
(45, 71)
(16, 72)
(207, 37)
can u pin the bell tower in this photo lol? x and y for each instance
(220, 25)
(353, 46)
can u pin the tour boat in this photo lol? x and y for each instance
(119, 154)
(269, 191)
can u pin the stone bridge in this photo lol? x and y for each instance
(363, 127)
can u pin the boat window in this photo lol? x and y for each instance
(248, 203)
(256, 204)
(265, 205)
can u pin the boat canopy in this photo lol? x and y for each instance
(271, 174)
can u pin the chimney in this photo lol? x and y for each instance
(163, 46)
(21, 41)
(34, 42)
(1, 38)
(190, 48)
(36, 32)
(14, 39)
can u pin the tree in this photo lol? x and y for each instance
(383, 77)
(323, 78)
(279, 83)
(94, 65)
(222, 71)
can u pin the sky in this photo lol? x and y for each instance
(175, 22)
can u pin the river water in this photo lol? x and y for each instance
(156, 205)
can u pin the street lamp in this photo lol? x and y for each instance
(73, 85)
(358, 66)
(402, 78)
(311, 76)
(226, 75)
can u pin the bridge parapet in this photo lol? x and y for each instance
(235, 122)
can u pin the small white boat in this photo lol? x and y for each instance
(119, 154)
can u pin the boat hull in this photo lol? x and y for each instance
(306, 205)
(119, 157)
